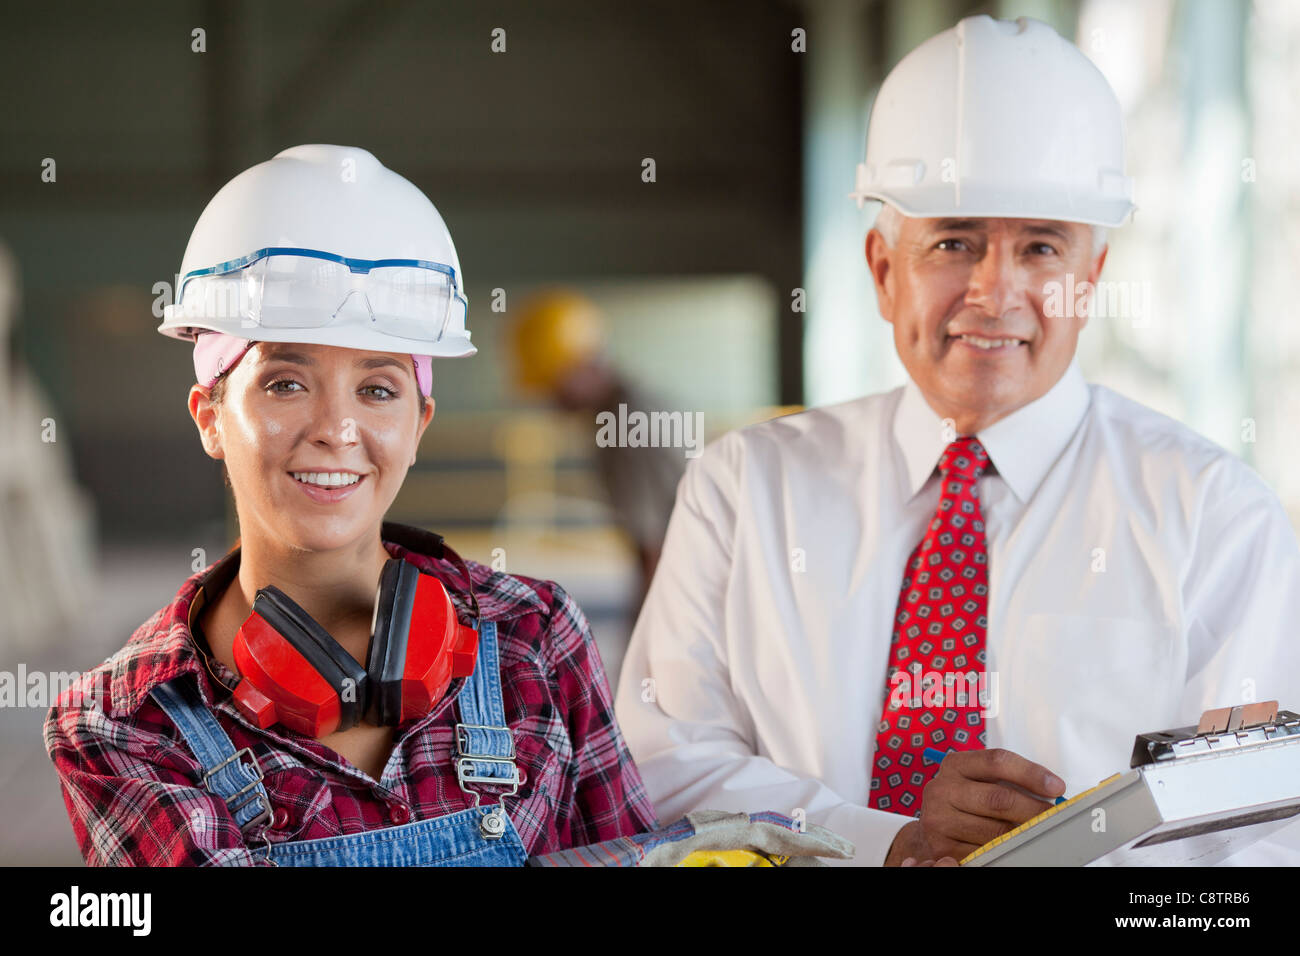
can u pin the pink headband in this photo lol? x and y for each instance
(216, 353)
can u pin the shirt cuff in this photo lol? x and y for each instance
(872, 832)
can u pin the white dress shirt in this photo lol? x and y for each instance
(1138, 575)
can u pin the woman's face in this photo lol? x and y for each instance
(292, 408)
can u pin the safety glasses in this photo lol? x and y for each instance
(289, 288)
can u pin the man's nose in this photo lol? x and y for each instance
(994, 282)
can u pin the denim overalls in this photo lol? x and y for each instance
(477, 836)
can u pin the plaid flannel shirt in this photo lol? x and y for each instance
(133, 788)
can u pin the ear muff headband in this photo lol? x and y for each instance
(390, 632)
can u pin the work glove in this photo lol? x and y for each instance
(708, 835)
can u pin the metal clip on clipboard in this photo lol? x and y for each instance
(1227, 728)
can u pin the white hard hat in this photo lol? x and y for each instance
(998, 119)
(314, 222)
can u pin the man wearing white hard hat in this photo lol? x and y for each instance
(1086, 568)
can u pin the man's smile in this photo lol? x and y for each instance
(987, 346)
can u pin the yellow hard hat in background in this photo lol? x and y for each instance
(556, 329)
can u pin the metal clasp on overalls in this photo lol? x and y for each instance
(493, 824)
(258, 796)
(235, 804)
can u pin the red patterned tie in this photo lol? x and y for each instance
(938, 641)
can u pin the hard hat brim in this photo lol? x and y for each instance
(346, 335)
(984, 203)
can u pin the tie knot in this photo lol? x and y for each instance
(965, 459)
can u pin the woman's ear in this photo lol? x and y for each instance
(206, 420)
(425, 418)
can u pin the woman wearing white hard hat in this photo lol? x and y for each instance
(276, 712)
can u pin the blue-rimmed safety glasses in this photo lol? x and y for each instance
(289, 288)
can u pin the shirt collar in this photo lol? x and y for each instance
(164, 646)
(1022, 446)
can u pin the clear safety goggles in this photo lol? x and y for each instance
(288, 288)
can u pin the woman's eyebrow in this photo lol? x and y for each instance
(278, 356)
(301, 359)
(380, 362)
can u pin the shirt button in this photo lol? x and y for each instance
(399, 814)
(281, 819)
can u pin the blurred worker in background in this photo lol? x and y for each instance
(558, 349)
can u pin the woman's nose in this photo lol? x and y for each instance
(331, 423)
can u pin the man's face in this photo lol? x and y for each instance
(312, 408)
(949, 281)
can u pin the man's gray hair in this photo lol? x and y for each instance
(889, 221)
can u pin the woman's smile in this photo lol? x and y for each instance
(325, 487)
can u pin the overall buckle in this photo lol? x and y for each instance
(233, 802)
(466, 765)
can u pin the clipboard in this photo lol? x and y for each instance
(1192, 795)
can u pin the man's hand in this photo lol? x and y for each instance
(946, 861)
(977, 795)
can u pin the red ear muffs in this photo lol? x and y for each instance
(293, 672)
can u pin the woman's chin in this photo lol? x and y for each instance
(307, 529)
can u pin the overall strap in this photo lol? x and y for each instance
(485, 746)
(238, 783)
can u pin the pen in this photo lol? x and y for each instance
(937, 755)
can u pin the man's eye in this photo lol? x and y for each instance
(1044, 247)
(942, 242)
